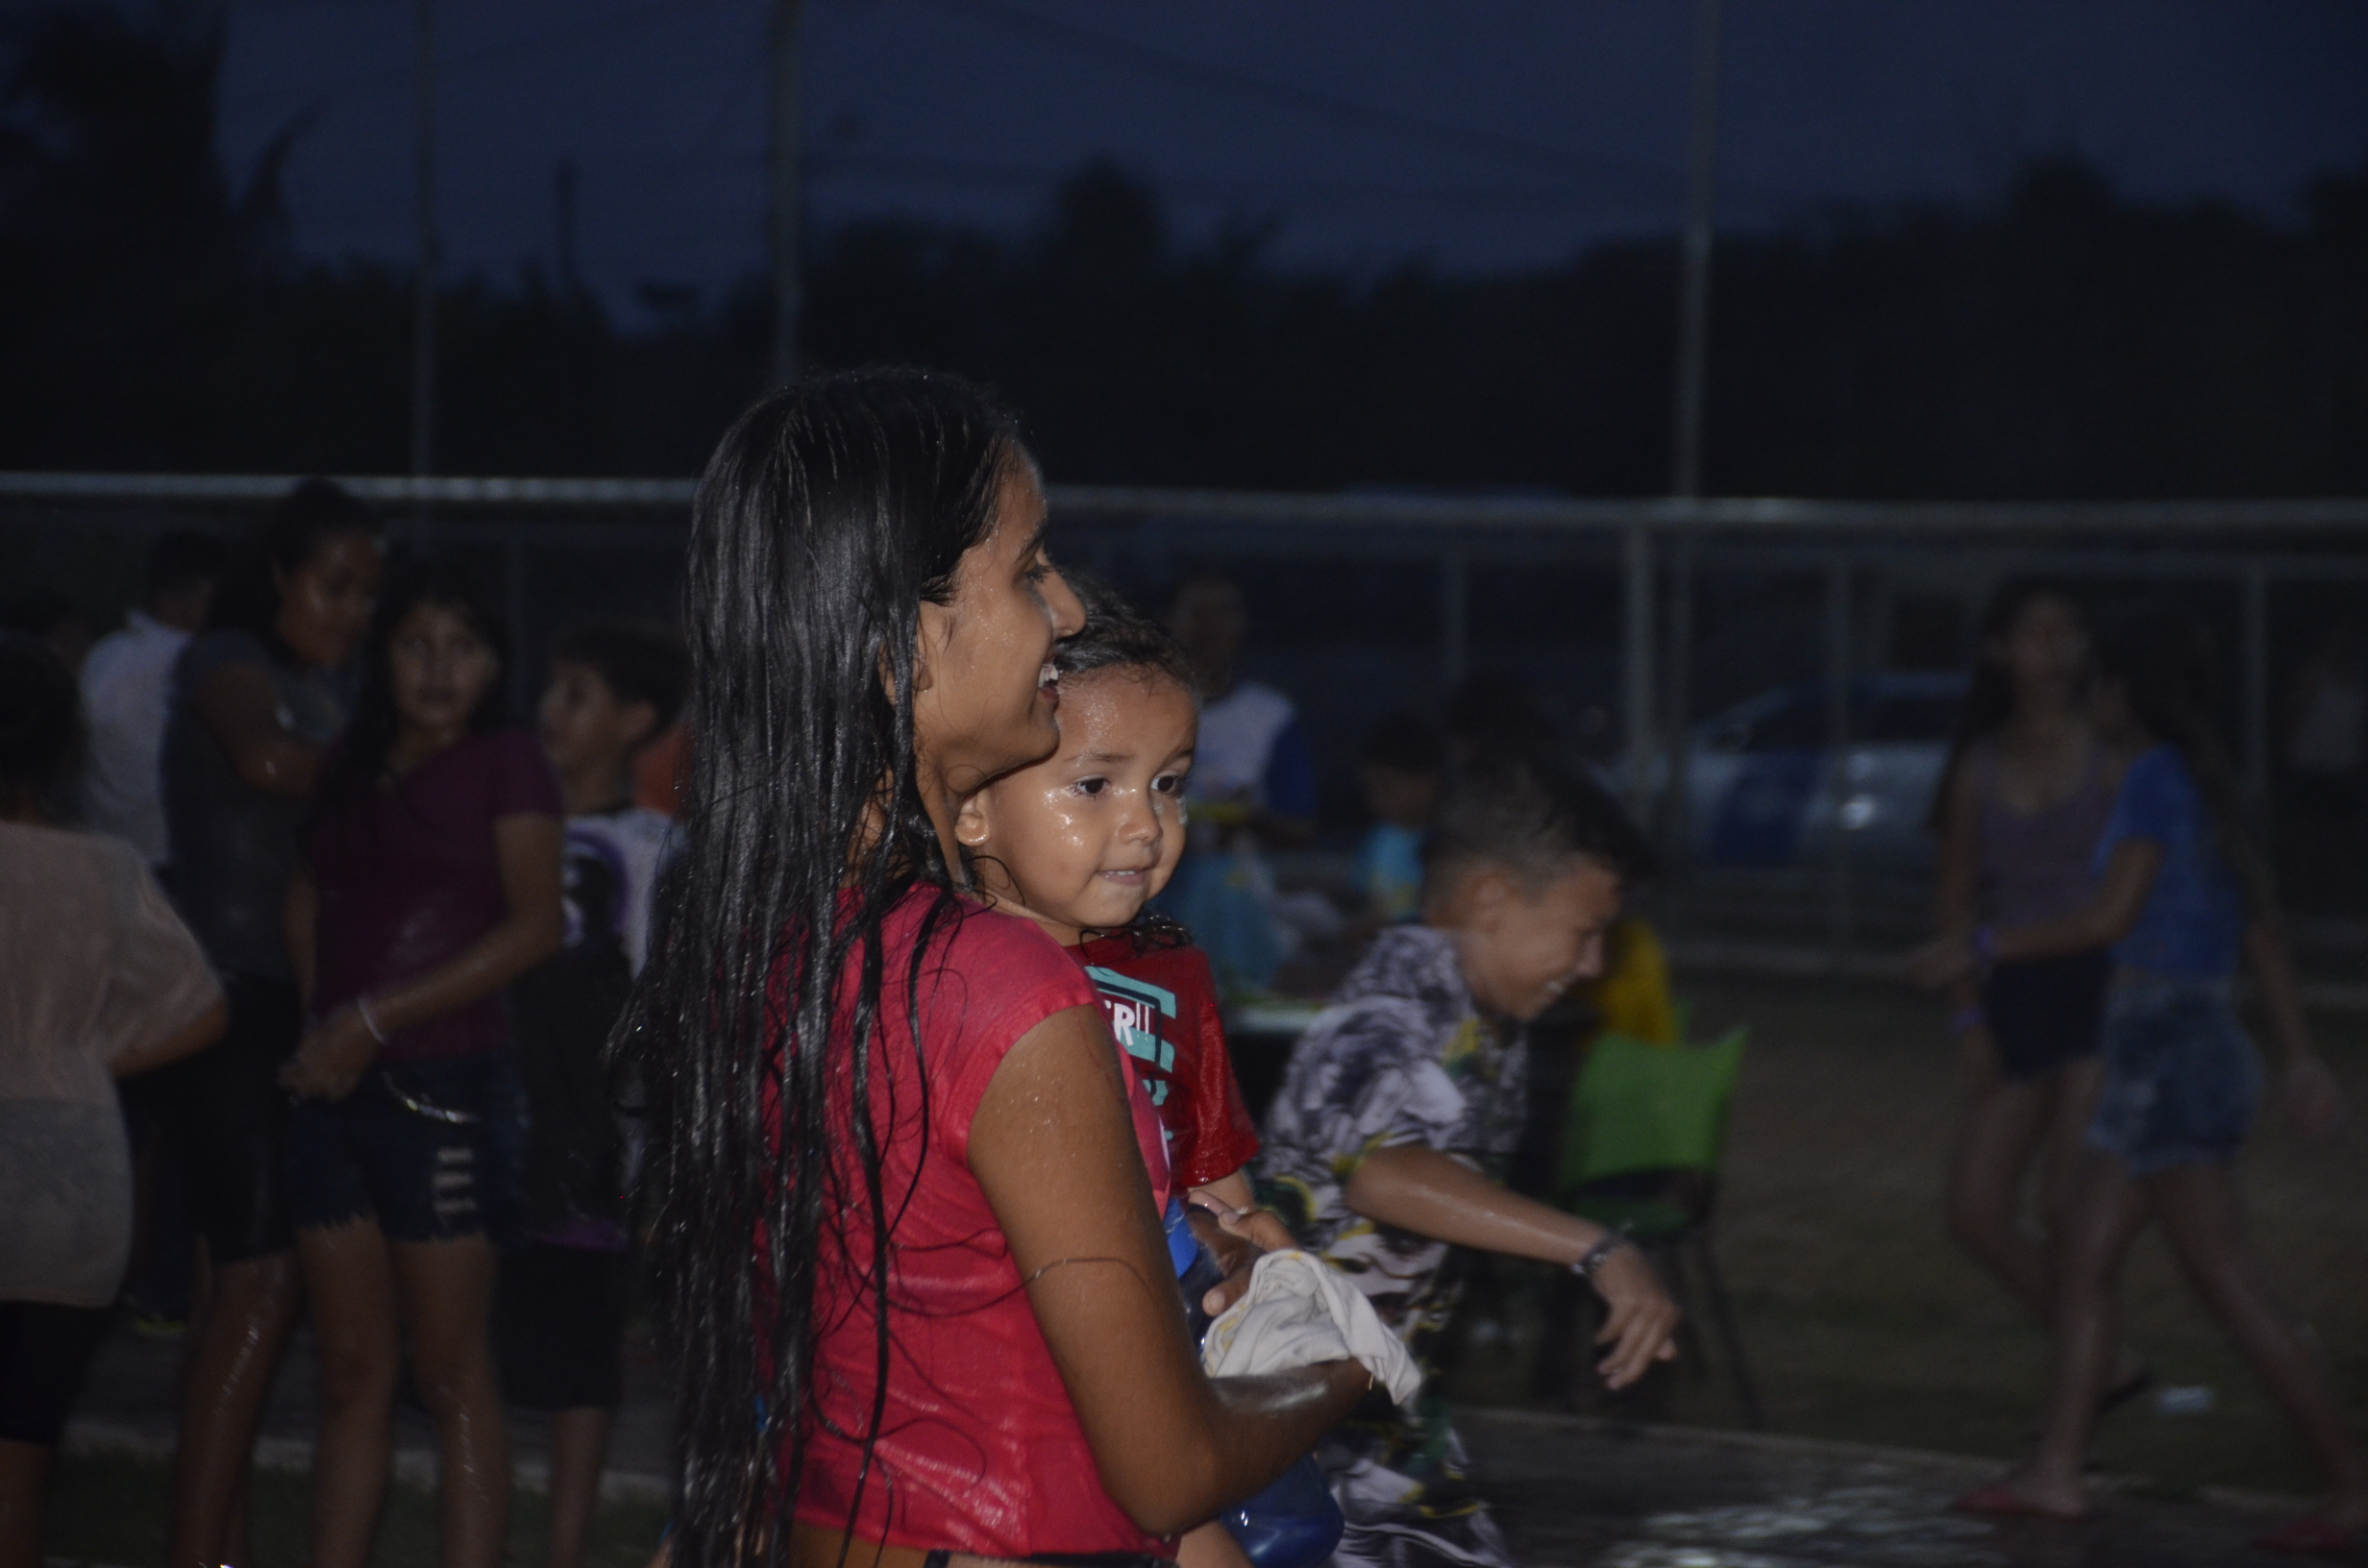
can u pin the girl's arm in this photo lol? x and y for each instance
(190, 1038)
(1054, 1149)
(1956, 910)
(334, 1055)
(2313, 1098)
(1951, 958)
(2105, 920)
(240, 710)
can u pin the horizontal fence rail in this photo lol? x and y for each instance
(1831, 578)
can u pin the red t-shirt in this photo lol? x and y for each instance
(1162, 1003)
(980, 1449)
(410, 879)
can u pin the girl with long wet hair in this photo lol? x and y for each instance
(2025, 791)
(906, 1250)
(2182, 896)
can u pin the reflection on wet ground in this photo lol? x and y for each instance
(1576, 1494)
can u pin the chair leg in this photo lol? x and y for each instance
(1722, 1315)
(1669, 1254)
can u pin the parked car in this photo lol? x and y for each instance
(1765, 785)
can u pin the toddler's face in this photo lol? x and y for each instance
(1083, 839)
(1520, 949)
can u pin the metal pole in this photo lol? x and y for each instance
(1838, 782)
(788, 293)
(2256, 718)
(1638, 655)
(1694, 328)
(423, 300)
(1680, 729)
(1454, 621)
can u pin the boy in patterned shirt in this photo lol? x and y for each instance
(1402, 1105)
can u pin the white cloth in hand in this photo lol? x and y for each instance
(1298, 1311)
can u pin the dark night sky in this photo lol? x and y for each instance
(1484, 133)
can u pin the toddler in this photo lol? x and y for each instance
(1080, 842)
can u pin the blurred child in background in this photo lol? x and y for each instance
(431, 881)
(558, 1316)
(98, 980)
(2181, 896)
(1399, 767)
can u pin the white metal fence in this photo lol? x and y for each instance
(1658, 614)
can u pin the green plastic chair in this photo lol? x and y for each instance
(1643, 1138)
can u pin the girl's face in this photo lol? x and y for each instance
(984, 697)
(325, 603)
(2045, 651)
(1085, 838)
(440, 669)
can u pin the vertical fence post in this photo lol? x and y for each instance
(1838, 781)
(1637, 604)
(1454, 619)
(2255, 716)
(514, 588)
(1678, 853)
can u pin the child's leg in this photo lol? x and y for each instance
(2006, 1120)
(1210, 1545)
(2206, 1222)
(349, 1280)
(578, 1452)
(447, 1289)
(2105, 1218)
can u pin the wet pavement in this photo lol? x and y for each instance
(1571, 1493)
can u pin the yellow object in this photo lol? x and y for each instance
(1632, 995)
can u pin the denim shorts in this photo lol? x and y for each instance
(2181, 1081)
(428, 1149)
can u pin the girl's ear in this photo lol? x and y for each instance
(970, 828)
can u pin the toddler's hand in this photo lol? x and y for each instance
(1237, 1240)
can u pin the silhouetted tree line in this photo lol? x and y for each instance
(2061, 343)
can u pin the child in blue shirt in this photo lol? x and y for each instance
(2182, 896)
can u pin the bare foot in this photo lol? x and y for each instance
(2027, 1493)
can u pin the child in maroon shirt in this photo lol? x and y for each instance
(1081, 840)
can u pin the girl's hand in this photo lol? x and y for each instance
(331, 1058)
(2315, 1102)
(1641, 1319)
(1941, 962)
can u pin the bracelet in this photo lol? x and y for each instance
(361, 1005)
(1593, 1258)
(1966, 1020)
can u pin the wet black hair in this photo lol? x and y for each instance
(829, 512)
(183, 558)
(361, 756)
(42, 735)
(1405, 743)
(1118, 636)
(638, 664)
(1990, 695)
(1531, 813)
(247, 598)
(2164, 664)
